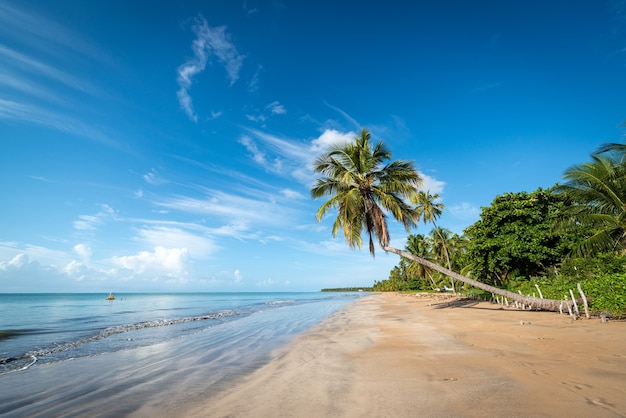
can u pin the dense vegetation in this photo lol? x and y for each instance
(545, 240)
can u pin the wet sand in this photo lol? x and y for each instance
(393, 355)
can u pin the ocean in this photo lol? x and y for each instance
(123, 344)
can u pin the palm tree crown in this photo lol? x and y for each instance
(597, 193)
(362, 185)
(427, 206)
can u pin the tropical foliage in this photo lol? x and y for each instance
(514, 237)
(596, 193)
(553, 240)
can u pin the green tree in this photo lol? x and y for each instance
(514, 238)
(596, 193)
(360, 185)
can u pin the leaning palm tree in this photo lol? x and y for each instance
(362, 185)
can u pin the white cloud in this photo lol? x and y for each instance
(330, 137)
(161, 261)
(161, 237)
(16, 263)
(83, 250)
(77, 270)
(432, 184)
(43, 255)
(209, 42)
(238, 276)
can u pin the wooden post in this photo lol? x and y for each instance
(586, 305)
(569, 308)
(539, 290)
(574, 303)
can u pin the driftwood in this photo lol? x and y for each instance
(569, 308)
(574, 303)
(585, 304)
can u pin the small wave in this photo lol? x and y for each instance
(18, 362)
(280, 302)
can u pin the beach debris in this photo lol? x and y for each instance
(585, 304)
(574, 302)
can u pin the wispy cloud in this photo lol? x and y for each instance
(276, 108)
(210, 41)
(45, 35)
(91, 222)
(36, 86)
(356, 125)
(290, 157)
(292, 194)
(24, 112)
(295, 158)
(230, 207)
(25, 63)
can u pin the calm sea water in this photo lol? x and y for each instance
(43, 328)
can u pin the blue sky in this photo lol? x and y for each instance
(168, 147)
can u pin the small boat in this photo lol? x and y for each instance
(110, 297)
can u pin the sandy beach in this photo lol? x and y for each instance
(394, 355)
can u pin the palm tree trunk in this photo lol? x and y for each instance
(536, 303)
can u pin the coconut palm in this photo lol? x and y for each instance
(362, 185)
(597, 195)
(419, 245)
(429, 208)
